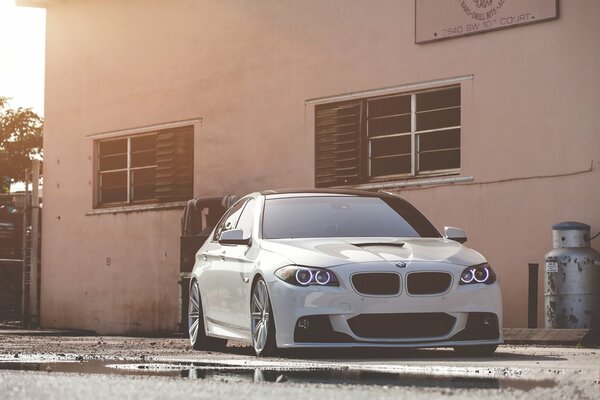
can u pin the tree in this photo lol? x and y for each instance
(20, 141)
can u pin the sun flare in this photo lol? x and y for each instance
(22, 55)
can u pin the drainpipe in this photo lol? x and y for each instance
(35, 240)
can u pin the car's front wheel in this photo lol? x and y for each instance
(263, 323)
(196, 330)
(484, 350)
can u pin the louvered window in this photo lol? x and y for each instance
(385, 137)
(146, 168)
(337, 129)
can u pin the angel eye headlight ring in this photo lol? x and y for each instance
(298, 275)
(304, 276)
(481, 273)
(323, 277)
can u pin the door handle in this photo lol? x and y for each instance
(222, 258)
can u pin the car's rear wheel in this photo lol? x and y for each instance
(484, 350)
(263, 323)
(196, 330)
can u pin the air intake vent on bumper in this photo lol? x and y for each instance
(401, 326)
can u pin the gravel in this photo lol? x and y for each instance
(575, 371)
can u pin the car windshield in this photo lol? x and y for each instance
(343, 216)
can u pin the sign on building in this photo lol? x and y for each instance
(436, 20)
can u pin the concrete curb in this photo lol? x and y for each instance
(79, 332)
(46, 332)
(546, 336)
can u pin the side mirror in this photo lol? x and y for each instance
(455, 234)
(234, 236)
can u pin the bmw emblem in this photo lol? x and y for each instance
(401, 264)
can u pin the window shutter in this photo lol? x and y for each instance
(175, 164)
(337, 144)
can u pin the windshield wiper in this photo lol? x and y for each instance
(394, 244)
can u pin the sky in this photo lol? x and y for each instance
(22, 37)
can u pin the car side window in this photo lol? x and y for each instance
(229, 220)
(246, 221)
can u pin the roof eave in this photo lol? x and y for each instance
(35, 3)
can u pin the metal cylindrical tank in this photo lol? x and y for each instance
(572, 285)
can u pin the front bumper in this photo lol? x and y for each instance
(341, 317)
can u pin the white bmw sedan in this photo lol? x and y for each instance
(340, 268)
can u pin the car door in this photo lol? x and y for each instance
(234, 278)
(213, 261)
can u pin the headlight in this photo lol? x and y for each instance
(306, 276)
(481, 273)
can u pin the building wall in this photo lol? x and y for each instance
(246, 68)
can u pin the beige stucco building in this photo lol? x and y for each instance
(497, 132)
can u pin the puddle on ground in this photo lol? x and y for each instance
(235, 373)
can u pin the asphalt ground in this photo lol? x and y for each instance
(94, 367)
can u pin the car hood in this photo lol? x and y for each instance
(329, 252)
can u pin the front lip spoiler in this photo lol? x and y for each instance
(414, 345)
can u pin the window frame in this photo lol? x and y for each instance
(414, 134)
(128, 170)
(365, 154)
(172, 186)
(251, 202)
(219, 227)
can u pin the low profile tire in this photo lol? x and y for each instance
(263, 323)
(484, 350)
(196, 330)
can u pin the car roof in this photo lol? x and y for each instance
(313, 191)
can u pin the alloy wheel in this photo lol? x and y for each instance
(194, 313)
(261, 314)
